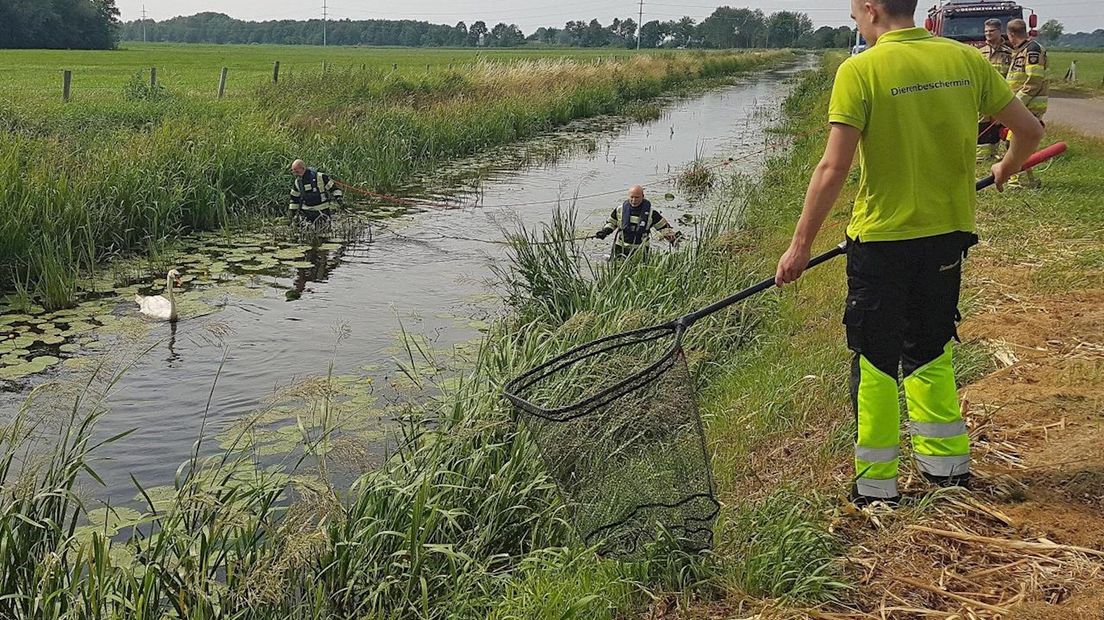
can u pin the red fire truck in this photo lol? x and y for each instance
(964, 20)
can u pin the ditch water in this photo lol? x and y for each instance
(263, 315)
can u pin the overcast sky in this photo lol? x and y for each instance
(1077, 15)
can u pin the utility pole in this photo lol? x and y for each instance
(640, 25)
(143, 23)
(324, 23)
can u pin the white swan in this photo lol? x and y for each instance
(161, 306)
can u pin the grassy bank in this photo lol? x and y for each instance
(85, 182)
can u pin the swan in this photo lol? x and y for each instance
(161, 306)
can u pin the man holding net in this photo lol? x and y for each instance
(910, 105)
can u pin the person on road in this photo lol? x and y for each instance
(1027, 76)
(312, 193)
(910, 105)
(634, 222)
(999, 55)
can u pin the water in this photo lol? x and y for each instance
(365, 292)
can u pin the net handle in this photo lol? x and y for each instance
(686, 321)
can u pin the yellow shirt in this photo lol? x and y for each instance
(916, 100)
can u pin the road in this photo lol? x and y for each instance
(1084, 115)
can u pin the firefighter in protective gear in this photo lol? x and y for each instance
(999, 55)
(634, 222)
(1027, 76)
(909, 105)
(312, 193)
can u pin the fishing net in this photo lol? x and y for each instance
(617, 427)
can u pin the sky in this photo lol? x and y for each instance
(1076, 15)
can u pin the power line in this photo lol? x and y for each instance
(143, 23)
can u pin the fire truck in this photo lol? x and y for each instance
(964, 20)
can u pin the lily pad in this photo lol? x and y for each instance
(162, 497)
(8, 319)
(69, 347)
(291, 253)
(115, 518)
(300, 264)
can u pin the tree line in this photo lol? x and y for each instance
(725, 28)
(58, 24)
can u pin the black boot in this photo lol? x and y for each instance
(862, 501)
(960, 480)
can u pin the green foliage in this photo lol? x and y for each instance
(59, 24)
(784, 551)
(139, 89)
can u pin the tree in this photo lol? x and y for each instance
(652, 34)
(728, 27)
(459, 34)
(476, 33)
(1051, 30)
(786, 28)
(594, 35)
(627, 32)
(505, 36)
(683, 31)
(59, 24)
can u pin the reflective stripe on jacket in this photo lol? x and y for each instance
(1028, 76)
(313, 191)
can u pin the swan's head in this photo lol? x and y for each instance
(175, 276)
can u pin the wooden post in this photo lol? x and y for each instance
(394, 66)
(323, 67)
(66, 82)
(276, 72)
(222, 83)
(153, 78)
(427, 67)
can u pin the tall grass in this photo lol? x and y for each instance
(115, 178)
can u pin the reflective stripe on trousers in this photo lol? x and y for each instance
(940, 443)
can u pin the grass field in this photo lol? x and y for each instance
(1090, 68)
(193, 70)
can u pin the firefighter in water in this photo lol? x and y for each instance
(909, 104)
(634, 222)
(999, 55)
(1028, 79)
(312, 193)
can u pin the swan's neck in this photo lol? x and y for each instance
(169, 288)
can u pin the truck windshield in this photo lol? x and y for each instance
(970, 27)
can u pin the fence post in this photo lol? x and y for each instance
(66, 82)
(153, 78)
(222, 83)
(276, 72)
(323, 67)
(427, 67)
(394, 66)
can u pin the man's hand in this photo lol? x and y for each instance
(602, 234)
(675, 238)
(792, 264)
(1001, 174)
